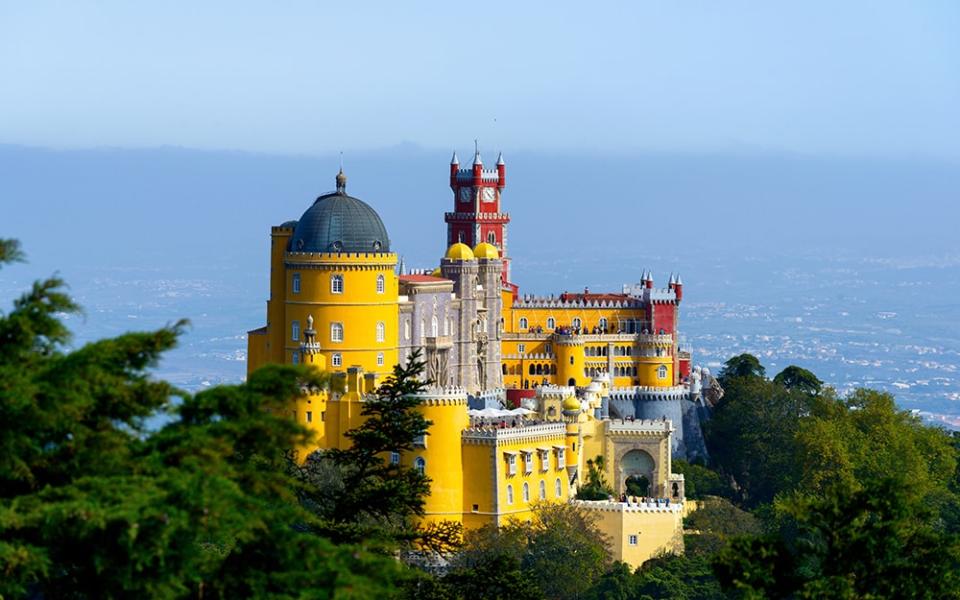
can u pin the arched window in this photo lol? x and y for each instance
(603, 323)
(295, 331)
(553, 369)
(381, 331)
(551, 323)
(504, 365)
(296, 283)
(336, 284)
(559, 488)
(381, 284)
(434, 326)
(662, 372)
(336, 332)
(523, 323)
(533, 370)
(491, 237)
(406, 329)
(379, 359)
(543, 490)
(539, 369)
(571, 360)
(509, 494)
(526, 492)
(577, 323)
(336, 360)
(420, 465)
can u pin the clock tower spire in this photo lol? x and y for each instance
(477, 215)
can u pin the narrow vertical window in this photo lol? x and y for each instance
(526, 492)
(309, 416)
(394, 458)
(434, 326)
(421, 465)
(509, 494)
(380, 359)
(336, 332)
(296, 283)
(543, 490)
(577, 323)
(381, 284)
(558, 488)
(523, 323)
(295, 331)
(336, 284)
(336, 360)
(406, 329)
(381, 331)
(551, 323)
(296, 358)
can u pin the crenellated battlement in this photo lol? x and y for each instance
(531, 301)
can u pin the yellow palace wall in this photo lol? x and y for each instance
(657, 530)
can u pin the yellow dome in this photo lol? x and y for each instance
(571, 404)
(460, 251)
(485, 250)
(436, 272)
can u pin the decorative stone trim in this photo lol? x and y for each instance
(624, 507)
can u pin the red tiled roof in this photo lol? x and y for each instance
(588, 297)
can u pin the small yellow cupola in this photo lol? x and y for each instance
(485, 250)
(460, 251)
(571, 404)
(436, 272)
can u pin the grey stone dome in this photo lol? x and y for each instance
(340, 223)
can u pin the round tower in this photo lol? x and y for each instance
(440, 455)
(570, 360)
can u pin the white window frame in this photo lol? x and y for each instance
(558, 488)
(295, 331)
(379, 359)
(336, 360)
(662, 372)
(551, 323)
(521, 348)
(524, 324)
(561, 458)
(543, 490)
(577, 323)
(420, 464)
(548, 348)
(511, 463)
(602, 323)
(527, 463)
(336, 284)
(381, 284)
(434, 326)
(296, 283)
(336, 332)
(632, 539)
(526, 492)
(381, 331)
(509, 494)
(394, 458)
(544, 460)
(406, 329)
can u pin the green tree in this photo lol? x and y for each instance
(596, 486)
(700, 481)
(358, 492)
(798, 378)
(742, 365)
(871, 542)
(94, 503)
(560, 550)
(752, 437)
(715, 522)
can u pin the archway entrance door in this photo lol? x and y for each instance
(636, 473)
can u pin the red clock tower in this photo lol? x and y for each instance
(476, 215)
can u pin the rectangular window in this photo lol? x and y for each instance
(511, 464)
(561, 459)
(632, 540)
(296, 357)
(521, 348)
(548, 348)
(336, 360)
(295, 331)
(309, 416)
(296, 283)
(380, 359)
(323, 416)
(336, 284)
(528, 462)
(544, 460)
(476, 508)
(394, 458)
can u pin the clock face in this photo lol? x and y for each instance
(488, 194)
(465, 194)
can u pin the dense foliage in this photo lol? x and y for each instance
(595, 485)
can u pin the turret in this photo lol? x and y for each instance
(678, 288)
(477, 168)
(454, 167)
(501, 172)
(649, 280)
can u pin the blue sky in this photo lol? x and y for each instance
(844, 78)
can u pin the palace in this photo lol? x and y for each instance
(526, 389)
